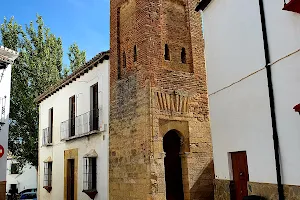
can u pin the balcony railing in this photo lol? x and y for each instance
(47, 136)
(81, 125)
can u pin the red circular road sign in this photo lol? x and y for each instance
(1, 151)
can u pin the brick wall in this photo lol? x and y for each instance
(144, 99)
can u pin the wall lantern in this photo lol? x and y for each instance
(297, 108)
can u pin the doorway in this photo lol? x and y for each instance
(173, 169)
(240, 174)
(71, 180)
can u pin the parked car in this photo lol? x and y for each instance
(28, 196)
(28, 190)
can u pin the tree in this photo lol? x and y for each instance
(37, 68)
(77, 58)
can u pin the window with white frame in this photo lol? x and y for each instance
(47, 174)
(89, 173)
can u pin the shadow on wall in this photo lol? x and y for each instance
(203, 188)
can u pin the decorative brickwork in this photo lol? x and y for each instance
(152, 96)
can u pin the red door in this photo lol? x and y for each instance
(240, 174)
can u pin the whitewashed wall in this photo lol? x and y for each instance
(25, 180)
(60, 103)
(240, 115)
(5, 91)
(284, 31)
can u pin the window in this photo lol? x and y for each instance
(14, 168)
(50, 134)
(134, 54)
(72, 116)
(119, 70)
(167, 52)
(89, 173)
(183, 55)
(47, 174)
(124, 59)
(94, 115)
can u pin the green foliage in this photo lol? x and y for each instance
(38, 67)
(77, 58)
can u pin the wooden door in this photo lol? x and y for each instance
(71, 180)
(240, 174)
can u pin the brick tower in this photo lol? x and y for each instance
(160, 143)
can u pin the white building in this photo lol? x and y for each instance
(73, 135)
(244, 113)
(25, 180)
(7, 58)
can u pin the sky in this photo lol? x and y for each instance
(85, 22)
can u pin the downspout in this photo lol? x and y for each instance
(272, 102)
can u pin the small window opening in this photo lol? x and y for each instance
(167, 52)
(183, 55)
(134, 54)
(90, 174)
(119, 70)
(48, 174)
(124, 59)
(14, 168)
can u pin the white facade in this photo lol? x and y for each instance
(26, 179)
(240, 114)
(7, 57)
(98, 141)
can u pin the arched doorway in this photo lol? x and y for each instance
(173, 170)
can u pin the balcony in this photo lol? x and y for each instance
(47, 136)
(292, 5)
(86, 124)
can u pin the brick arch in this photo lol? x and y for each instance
(181, 127)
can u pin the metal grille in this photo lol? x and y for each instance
(89, 173)
(47, 136)
(84, 123)
(48, 174)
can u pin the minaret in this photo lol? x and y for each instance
(160, 143)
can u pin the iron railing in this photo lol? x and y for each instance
(81, 125)
(47, 136)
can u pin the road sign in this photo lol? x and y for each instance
(1, 151)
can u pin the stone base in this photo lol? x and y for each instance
(266, 190)
(222, 189)
(270, 192)
(2, 190)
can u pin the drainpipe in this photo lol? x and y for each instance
(272, 102)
